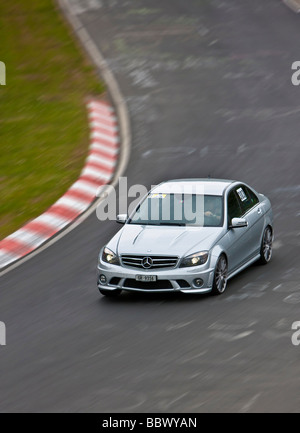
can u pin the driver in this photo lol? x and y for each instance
(212, 210)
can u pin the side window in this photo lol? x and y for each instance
(247, 198)
(234, 208)
(253, 197)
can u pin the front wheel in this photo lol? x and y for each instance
(221, 276)
(266, 248)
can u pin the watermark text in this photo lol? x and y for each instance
(296, 334)
(2, 74)
(296, 74)
(2, 334)
(160, 205)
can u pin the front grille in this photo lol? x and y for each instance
(153, 285)
(149, 262)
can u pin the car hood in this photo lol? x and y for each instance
(164, 240)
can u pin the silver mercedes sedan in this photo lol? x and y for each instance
(190, 236)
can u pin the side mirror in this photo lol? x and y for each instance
(121, 219)
(238, 223)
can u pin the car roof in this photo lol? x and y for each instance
(194, 186)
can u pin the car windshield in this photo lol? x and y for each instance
(180, 210)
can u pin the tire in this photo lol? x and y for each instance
(110, 293)
(266, 248)
(220, 276)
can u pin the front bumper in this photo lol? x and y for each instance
(171, 280)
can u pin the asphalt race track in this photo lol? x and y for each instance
(208, 86)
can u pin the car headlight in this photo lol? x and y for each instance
(110, 257)
(196, 259)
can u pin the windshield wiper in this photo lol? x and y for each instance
(173, 224)
(158, 224)
(143, 223)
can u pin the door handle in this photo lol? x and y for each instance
(259, 211)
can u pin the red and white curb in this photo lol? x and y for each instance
(98, 171)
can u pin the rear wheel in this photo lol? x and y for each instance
(110, 293)
(221, 276)
(266, 248)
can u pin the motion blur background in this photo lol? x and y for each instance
(209, 92)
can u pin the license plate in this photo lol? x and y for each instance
(146, 278)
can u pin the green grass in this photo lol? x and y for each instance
(44, 133)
